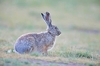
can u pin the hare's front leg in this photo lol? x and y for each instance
(45, 48)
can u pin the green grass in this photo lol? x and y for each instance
(14, 62)
(78, 20)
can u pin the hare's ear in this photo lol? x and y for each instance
(47, 18)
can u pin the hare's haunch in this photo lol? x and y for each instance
(38, 42)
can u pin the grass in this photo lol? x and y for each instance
(79, 22)
(14, 62)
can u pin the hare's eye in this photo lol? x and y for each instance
(55, 27)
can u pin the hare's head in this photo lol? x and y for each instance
(51, 28)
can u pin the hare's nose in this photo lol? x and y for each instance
(59, 33)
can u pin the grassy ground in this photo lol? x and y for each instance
(78, 20)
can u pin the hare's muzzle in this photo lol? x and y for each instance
(59, 33)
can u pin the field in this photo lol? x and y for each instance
(78, 20)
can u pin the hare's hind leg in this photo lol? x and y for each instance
(30, 49)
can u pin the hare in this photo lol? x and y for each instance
(39, 42)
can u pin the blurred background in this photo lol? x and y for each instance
(78, 20)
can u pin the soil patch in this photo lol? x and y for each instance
(48, 63)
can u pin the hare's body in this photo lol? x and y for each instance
(35, 42)
(38, 42)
